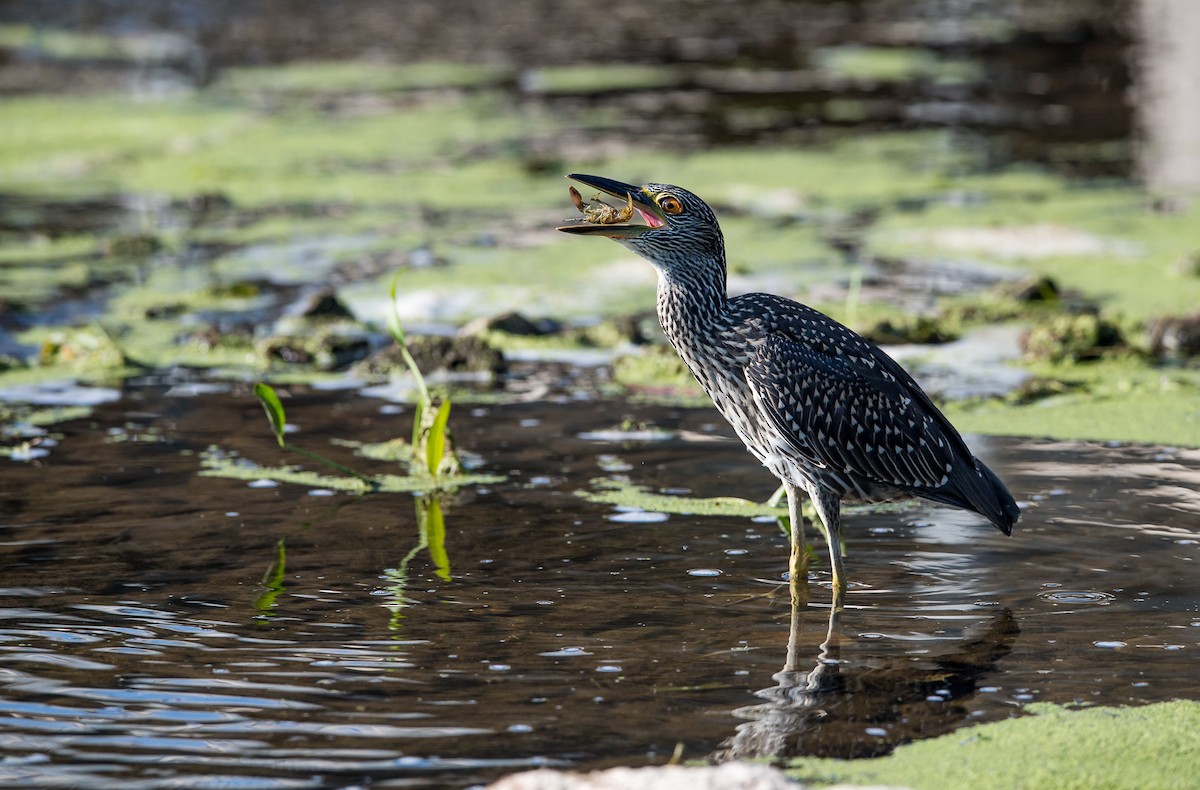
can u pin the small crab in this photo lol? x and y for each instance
(597, 212)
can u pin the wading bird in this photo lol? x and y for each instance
(824, 409)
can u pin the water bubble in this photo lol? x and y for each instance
(1185, 542)
(566, 652)
(609, 668)
(870, 635)
(545, 603)
(989, 689)
(736, 552)
(321, 492)
(1111, 645)
(639, 517)
(262, 484)
(1077, 596)
(881, 530)
(704, 572)
(520, 728)
(530, 422)
(877, 732)
(934, 698)
(499, 667)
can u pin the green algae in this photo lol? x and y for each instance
(359, 76)
(1059, 748)
(1119, 399)
(73, 145)
(658, 372)
(1105, 242)
(316, 190)
(622, 492)
(217, 463)
(64, 44)
(894, 64)
(598, 77)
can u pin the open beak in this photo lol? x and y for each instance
(630, 199)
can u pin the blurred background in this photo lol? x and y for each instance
(188, 183)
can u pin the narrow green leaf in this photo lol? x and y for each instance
(435, 444)
(271, 404)
(395, 328)
(418, 423)
(435, 532)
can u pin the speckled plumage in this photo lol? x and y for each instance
(824, 409)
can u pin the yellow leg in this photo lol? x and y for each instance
(828, 506)
(798, 560)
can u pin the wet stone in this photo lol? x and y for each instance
(1175, 337)
(458, 354)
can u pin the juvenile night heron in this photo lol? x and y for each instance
(824, 409)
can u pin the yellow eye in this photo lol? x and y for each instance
(670, 204)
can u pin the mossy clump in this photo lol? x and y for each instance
(1074, 338)
(1175, 338)
(132, 245)
(1058, 747)
(457, 354)
(331, 347)
(921, 329)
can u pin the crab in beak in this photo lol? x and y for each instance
(601, 219)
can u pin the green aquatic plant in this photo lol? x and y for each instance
(430, 431)
(275, 414)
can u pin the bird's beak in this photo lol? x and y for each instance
(632, 201)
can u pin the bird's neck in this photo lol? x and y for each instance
(692, 300)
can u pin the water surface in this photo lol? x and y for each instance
(148, 637)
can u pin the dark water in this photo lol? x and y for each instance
(140, 646)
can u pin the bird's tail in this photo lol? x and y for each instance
(979, 489)
(992, 500)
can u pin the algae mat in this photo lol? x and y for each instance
(1156, 746)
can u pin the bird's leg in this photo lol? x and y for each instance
(828, 506)
(798, 560)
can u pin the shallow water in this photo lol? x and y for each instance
(145, 640)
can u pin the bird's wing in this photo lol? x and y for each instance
(842, 404)
(851, 423)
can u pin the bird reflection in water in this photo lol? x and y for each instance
(823, 707)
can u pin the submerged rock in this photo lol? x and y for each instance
(329, 349)
(1034, 288)
(322, 304)
(459, 354)
(512, 323)
(1175, 337)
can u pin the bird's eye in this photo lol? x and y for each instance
(670, 204)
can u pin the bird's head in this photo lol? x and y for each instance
(677, 230)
